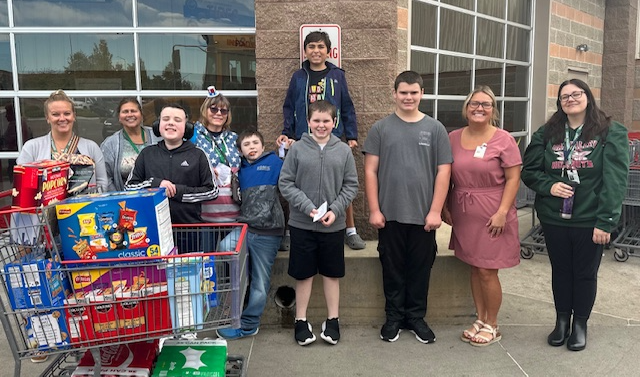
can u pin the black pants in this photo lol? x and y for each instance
(407, 253)
(575, 260)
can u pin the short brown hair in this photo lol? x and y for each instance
(321, 107)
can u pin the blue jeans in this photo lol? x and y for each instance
(262, 254)
(230, 241)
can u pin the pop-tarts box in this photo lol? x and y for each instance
(115, 225)
(36, 282)
(187, 302)
(47, 329)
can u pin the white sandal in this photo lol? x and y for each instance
(485, 340)
(467, 335)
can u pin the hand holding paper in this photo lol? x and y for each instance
(321, 211)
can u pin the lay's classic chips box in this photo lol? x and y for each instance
(115, 225)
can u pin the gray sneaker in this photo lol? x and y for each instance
(355, 242)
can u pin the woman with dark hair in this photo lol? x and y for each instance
(577, 163)
(123, 147)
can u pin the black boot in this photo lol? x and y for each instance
(560, 334)
(578, 339)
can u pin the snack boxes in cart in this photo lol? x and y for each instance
(188, 303)
(186, 358)
(47, 329)
(115, 225)
(34, 281)
(39, 183)
(131, 360)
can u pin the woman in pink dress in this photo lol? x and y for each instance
(485, 176)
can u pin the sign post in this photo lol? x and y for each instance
(334, 32)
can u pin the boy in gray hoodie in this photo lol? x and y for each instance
(319, 180)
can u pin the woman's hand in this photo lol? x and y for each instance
(561, 190)
(601, 237)
(496, 223)
(446, 216)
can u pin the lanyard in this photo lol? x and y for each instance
(133, 145)
(220, 152)
(54, 149)
(569, 146)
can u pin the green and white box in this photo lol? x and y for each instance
(192, 357)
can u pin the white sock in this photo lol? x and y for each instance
(301, 319)
(351, 231)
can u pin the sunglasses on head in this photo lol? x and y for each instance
(215, 109)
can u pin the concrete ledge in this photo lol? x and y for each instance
(361, 295)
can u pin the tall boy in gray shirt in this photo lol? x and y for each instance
(407, 169)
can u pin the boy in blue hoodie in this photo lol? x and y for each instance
(262, 212)
(319, 80)
(319, 180)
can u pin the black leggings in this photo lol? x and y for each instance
(575, 260)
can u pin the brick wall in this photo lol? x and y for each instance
(371, 53)
(575, 22)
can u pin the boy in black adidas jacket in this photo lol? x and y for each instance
(178, 166)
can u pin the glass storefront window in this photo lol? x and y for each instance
(454, 36)
(423, 24)
(493, 8)
(489, 74)
(75, 61)
(454, 76)
(520, 11)
(516, 81)
(191, 62)
(450, 114)
(72, 13)
(425, 64)
(4, 19)
(490, 41)
(196, 13)
(515, 116)
(517, 44)
(6, 79)
(466, 4)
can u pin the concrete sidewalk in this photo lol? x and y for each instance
(526, 318)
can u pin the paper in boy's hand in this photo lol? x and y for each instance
(322, 210)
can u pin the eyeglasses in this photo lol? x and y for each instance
(476, 104)
(575, 95)
(215, 110)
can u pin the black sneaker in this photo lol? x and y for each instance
(390, 331)
(421, 330)
(303, 334)
(331, 331)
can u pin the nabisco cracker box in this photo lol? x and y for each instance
(79, 321)
(36, 282)
(115, 225)
(47, 329)
(39, 183)
(186, 358)
(132, 359)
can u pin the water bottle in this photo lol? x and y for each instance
(567, 203)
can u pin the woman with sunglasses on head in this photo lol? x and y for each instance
(123, 147)
(485, 177)
(577, 163)
(214, 136)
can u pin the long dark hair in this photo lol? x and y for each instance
(596, 122)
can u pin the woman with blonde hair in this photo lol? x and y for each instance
(485, 177)
(61, 143)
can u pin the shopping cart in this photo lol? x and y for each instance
(628, 240)
(533, 241)
(113, 301)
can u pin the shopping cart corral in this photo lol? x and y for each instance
(107, 302)
(533, 241)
